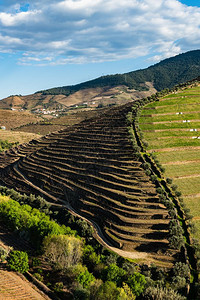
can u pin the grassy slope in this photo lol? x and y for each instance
(174, 144)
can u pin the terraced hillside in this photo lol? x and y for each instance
(91, 168)
(12, 286)
(172, 129)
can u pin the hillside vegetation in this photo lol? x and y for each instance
(171, 127)
(166, 74)
(93, 170)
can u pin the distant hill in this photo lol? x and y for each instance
(111, 89)
(165, 74)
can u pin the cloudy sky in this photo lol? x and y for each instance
(48, 43)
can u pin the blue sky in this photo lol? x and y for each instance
(51, 43)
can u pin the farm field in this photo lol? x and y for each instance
(171, 126)
(66, 120)
(13, 286)
(17, 136)
(91, 168)
(12, 119)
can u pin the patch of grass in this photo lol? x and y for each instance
(174, 117)
(170, 133)
(169, 125)
(172, 109)
(193, 204)
(173, 142)
(197, 226)
(188, 186)
(174, 156)
(182, 169)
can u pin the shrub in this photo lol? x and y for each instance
(181, 269)
(169, 180)
(114, 273)
(18, 261)
(160, 293)
(3, 254)
(85, 278)
(137, 283)
(63, 251)
(107, 290)
(81, 294)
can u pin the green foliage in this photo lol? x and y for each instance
(62, 251)
(18, 261)
(85, 278)
(81, 294)
(58, 287)
(3, 254)
(107, 290)
(4, 145)
(160, 293)
(36, 224)
(137, 283)
(114, 273)
(181, 269)
(90, 257)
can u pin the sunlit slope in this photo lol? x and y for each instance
(171, 126)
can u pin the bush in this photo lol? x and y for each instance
(81, 294)
(107, 290)
(159, 293)
(3, 254)
(169, 180)
(181, 269)
(137, 283)
(18, 261)
(62, 251)
(85, 278)
(114, 273)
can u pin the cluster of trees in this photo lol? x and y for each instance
(81, 265)
(30, 222)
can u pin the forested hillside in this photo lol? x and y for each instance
(165, 74)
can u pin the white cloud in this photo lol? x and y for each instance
(80, 31)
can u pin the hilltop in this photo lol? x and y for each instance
(110, 89)
(165, 74)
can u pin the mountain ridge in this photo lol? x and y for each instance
(111, 89)
(136, 79)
